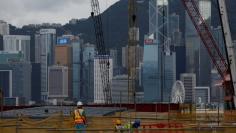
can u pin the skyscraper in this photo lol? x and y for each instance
(83, 71)
(58, 83)
(63, 57)
(139, 56)
(180, 60)
(36, 82)
(197, 58)
(169, 75)
(15, 76)
(47, 44)
(99, 92)
(159, 63)
(151, 83)
(88, 80)
(37, 50)
(189, 81)
(18, 43)
(76, 47)
(119, 89)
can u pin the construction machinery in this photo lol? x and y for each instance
(224, 66)
(102, 50)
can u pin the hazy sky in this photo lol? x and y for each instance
(21, 12)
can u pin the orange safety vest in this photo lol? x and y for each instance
(79, 119)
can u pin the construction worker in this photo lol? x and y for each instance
(136, 124)
(131, 126)
(80, 118)
(118, 126)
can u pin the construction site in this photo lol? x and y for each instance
(171, 116)
(59, 119)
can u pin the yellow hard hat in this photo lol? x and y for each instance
(118, 122)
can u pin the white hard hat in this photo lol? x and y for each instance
(79, 103)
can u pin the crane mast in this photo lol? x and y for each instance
(132, 49)
(229, 50)
(216, 56)
(102, 51)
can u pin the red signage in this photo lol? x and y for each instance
(148, 41)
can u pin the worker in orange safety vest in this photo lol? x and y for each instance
(80, 118)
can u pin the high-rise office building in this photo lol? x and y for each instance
(99, 82)
(58, 83)
(83, 58)
(76, 47)
(202, 95)
(47, 44)
(119, 89)
(177, 7)
(189, 81)
(16, 43)
(151, 84)
(169, 75)
(120, 92)
(139, 56)
(37, 46)
(197, 58)
(15, 76)
(63, 57)
(36, 82)
(173, 23)
(180, 60)
(4, 28)
(157, 85)
(159, 63)
(87, 86)
(218, 36)
(6, 82)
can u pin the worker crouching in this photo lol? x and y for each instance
(128, 126)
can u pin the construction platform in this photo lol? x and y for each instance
(102, 120)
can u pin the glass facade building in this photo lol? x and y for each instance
(197, 58)
(17, 43)
(47, 49)
(76, 48)
(16, 77)
(88, 72)
(83, 55)
(152, 92)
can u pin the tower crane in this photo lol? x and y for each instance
(132, 49)
(225, 67)
(102, 51)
